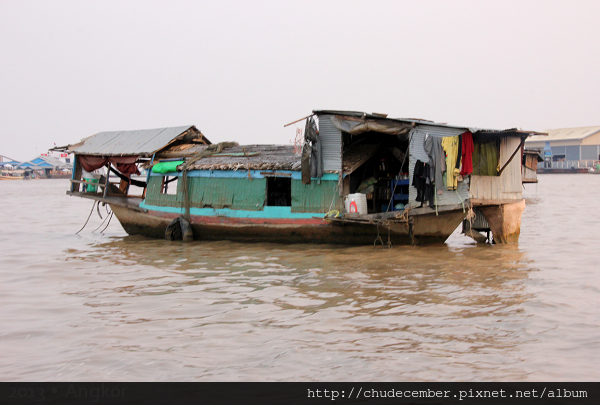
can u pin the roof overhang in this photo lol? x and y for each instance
(355, 122)
(141, 143)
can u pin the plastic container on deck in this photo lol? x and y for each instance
(92, 178)
(356, 204)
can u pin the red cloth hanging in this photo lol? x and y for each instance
(467, 153)
(124, 164)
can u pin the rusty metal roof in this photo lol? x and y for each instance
(357, 115)
(143, 142)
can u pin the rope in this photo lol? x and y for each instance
(88, 218)
(335, 193)
(378, 238)
(412, 132)
(471, 215)
(109, 218)
(461, 200)
(404, 216)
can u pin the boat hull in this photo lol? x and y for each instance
(421, 229)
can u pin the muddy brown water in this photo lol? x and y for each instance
(112, 307)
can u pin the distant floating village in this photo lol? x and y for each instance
(50, 165)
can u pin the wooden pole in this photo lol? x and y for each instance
(512, 156)
(106, 183)
(76, 174)
(301, 119)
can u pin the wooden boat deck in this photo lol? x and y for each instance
(123, 201)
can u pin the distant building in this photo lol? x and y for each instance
(47, 166)
(565, 148)
(6, 162)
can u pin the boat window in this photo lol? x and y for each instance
(279, 191)
(169, 185)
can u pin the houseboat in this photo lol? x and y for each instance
(357, 178)
(531, 158)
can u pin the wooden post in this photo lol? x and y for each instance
(107, 183)
(148, 175)
(76, 174)
(512, 156)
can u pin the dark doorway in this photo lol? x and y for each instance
(279, 191)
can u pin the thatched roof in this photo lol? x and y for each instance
(245, 157)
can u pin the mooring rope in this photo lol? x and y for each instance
(471, 215)
(461, 200)
(108, 223)
(108, 216)
(335, 193)
(88, 218)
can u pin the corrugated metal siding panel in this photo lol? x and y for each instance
(331, 139)
(440, 131)
(572, 152)
(558, 150)
(589, 152)
(315, 197)
(154, 196)
(241, 194)
(480, 221)
(417, 152)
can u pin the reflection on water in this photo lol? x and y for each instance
(116, 307)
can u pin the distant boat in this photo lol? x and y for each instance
(8, 177)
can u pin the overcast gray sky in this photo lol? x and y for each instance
(240, 70)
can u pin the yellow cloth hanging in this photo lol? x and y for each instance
(450, 146)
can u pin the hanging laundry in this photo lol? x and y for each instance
(437, 160)
(423, 183)
(485, 159)
(458, 153)
(467, 153)
(450, 145)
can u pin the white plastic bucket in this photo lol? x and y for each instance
(356, 204)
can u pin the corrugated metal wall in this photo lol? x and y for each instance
(331, 139)
(480, 221)
(417, 152)
(155, 197)
(558, 150)
(572, 152)
(589, 152)
(241, 194)
(315, 197)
